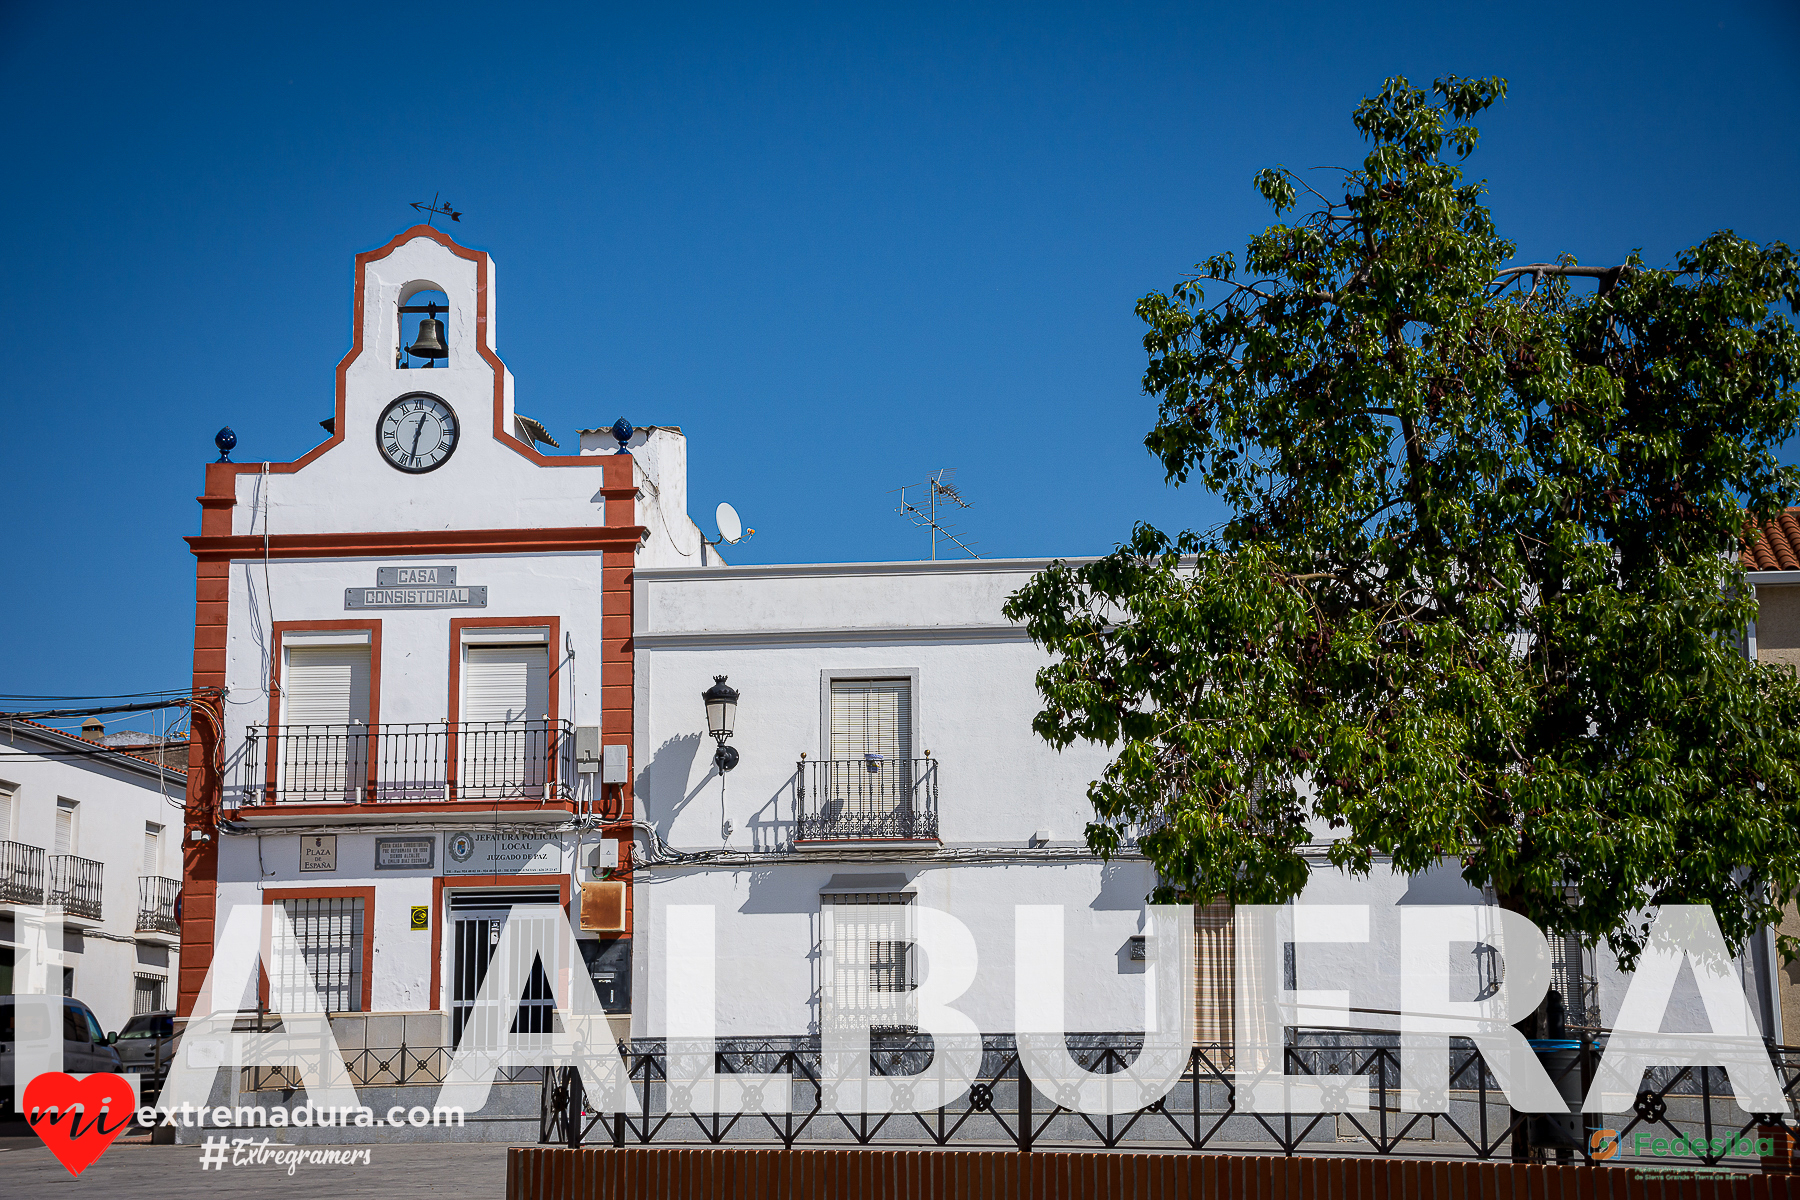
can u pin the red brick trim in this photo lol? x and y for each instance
(426, 541)
(272, 895)
(439, 914)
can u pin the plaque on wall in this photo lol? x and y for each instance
(473, 853)
(405, 853)
(318, 852)
(415, 587)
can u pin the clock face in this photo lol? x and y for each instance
(417, 433)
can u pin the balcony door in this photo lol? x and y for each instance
(506, 721)
(870, 770)
(325, 722)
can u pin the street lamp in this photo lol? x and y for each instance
(721, 716)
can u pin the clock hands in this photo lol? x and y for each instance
(417, 430)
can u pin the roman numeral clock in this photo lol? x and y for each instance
(417, 433)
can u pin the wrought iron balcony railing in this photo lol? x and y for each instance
(156, 904)
(867, 799)
(435, 761)
(75, 884)
(21, 874)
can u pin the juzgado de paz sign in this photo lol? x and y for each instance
(1680, 935)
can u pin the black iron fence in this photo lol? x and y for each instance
(156, 904)
(434, 761)
(1006, 1108)
(21, 873)
(75, 884)
(866, 799)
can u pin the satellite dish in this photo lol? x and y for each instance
(730, 528)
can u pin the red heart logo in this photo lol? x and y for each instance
(77, 1138)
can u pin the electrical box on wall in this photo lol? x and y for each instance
(603, 907)
(618, 765)
(587, 749)
(603, 857)
(608, 963)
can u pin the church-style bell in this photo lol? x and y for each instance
(430, 342)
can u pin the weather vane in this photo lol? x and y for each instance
(436, 211)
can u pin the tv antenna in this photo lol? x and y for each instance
(731, 530)
(436, 210)
(938, 494)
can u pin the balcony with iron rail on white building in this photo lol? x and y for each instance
(428, 765)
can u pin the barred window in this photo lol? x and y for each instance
(146, 994)
(871, 960)
(328, 947)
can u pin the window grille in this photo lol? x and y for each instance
(146, 994)
(871, 963)
(327, 946)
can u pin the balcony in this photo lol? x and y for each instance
(868, 799)
(21, 874)
(435, 762)
(156, 904)
(75, 884)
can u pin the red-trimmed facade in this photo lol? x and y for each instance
(588, 542)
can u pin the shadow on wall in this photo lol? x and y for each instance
(1442, 884)
(1124, 887)
(669, 767)
(769, 831)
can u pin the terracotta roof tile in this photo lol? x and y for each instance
(1775, 546)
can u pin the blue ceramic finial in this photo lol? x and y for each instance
(622, 430)
(225, 440)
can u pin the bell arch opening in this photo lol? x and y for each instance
(423, 326)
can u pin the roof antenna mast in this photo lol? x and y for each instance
(923, 509)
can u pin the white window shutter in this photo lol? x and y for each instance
(6, 814)
(326, 685)
(152, 848)
(506, 683)
(327, 689)
(871, 716)
(65, 827)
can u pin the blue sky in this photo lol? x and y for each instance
(840, 245)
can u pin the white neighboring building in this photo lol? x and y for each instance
(965, 809)
(96, 831)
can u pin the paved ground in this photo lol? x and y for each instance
(394, 1172)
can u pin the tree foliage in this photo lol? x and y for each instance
(1478, 598)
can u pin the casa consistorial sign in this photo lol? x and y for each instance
(415, 587)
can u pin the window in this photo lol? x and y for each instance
(328, 946)
(152, 848)
(66, 831)
(324, 719)
(7, 792)
(871, 716)
(505, 737)
(870, 962)
(68, 981)
(868, 782)
(1215, 974)
(146, 997)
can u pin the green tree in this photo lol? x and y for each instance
(1478, 597)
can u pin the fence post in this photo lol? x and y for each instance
(618, 1131)
(1024, 1107)
(574, 1107)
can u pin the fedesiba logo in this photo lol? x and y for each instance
(1604, 1143)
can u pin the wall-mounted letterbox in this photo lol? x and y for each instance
(609, 966)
